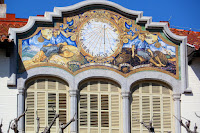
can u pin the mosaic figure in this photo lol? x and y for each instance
(143, 51)
(57, 49)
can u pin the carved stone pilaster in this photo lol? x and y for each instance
(74, 109)
(126, 111)
(21, 105)
(177, 112)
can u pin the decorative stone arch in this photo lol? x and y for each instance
(162, 78)
(44, 71)
(100, 73)
(157, 76)
(44, 91)
(33, 73)
(113, 76)
(160, 102)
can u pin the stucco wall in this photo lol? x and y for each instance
(190, 103)
(8, 96)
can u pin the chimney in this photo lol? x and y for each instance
(2, 9)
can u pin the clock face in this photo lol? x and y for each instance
(99, 38)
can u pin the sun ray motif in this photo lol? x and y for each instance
(99, 37)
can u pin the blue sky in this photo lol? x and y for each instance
(184, 13)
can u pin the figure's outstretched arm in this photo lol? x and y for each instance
(151, 53)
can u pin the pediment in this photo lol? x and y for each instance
(97, 35)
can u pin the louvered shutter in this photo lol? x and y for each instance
(51, 103)
(30, 112)
(104, 111)
(115, 111)
(41, 84)
(42, 94)
(51, 84)
(62, 86)
(62, 108)
(93, 110)
(83, 110)
(99, 107)
(94, 86)
(166, 114)
(41, 98)
(151, 101)
(156, 112)
(103, 86)
(145, 110)
(135, 113)
(145, 88)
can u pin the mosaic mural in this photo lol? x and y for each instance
(99, 39)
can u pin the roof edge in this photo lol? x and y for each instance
(57, 12)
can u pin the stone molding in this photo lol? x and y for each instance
(176, 97)
(73, 93)
(125, 94)
(21, 91)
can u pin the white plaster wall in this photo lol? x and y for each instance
(190, 103)
(8, 97)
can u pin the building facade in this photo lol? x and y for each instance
(108, 66)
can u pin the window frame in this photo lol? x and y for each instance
(99, 93)
(138, 92)
(46, 91)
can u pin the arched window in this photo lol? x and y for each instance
(100, 107)
(152, 100)
(42, 94)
